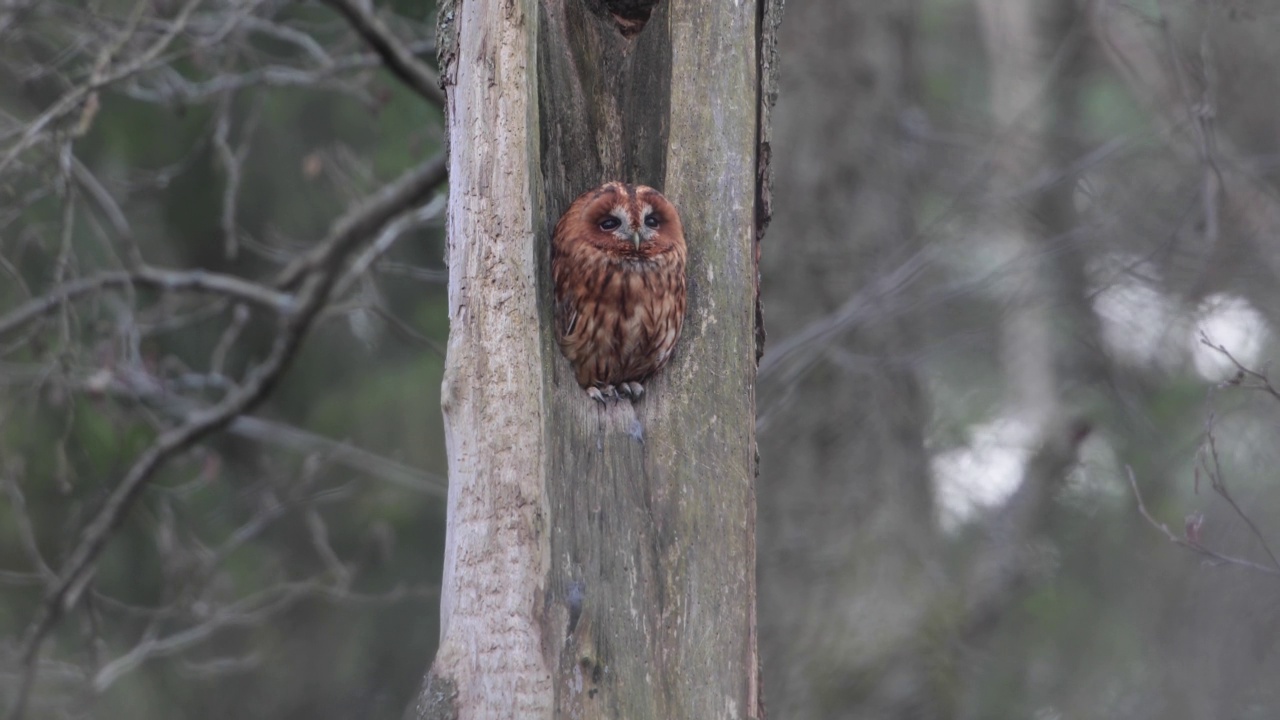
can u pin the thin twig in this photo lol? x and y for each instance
(1193, 546)
(218, 358)
(25, 531)
(167, 280)
(315, 283)
(1218, 482)
(410, 189)
(1242, 372)
(388, 238)
(101, 78)
(170, 86)
(399, 60)
(232, 160)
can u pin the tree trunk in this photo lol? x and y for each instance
(1019, 72)
(600, 560)
(1036, 57)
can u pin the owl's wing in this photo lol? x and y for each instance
(566, 316)
(566, 305)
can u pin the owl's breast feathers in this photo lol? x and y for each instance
(617, 317)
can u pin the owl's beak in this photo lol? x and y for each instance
(635, 238)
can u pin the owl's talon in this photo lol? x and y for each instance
(632, 390)
(604, 394)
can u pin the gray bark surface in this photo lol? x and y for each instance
(601, 559)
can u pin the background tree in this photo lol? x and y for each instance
(987, 303)
(848, 553)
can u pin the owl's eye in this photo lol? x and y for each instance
(651, 221)
(610, 223)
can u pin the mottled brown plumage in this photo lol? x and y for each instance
(617, 260)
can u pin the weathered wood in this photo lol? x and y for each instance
(601, 560)
(490, 663)
(652, 506)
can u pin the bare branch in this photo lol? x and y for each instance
(338, 571)
(1219, 483)
(388, 238)
(138, 386)
(344, 454)
(101, 78)
(26, 532)
(315, 277)
(171, 85)
(1193, 546)
(233, 163)
(247, 612)
(399, 60)
(167, 280)
(109, 208)
(218, 358)
(409, 189)
(1242, 373)
(858, 307)
(302, 40)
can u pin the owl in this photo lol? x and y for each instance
(617, 262)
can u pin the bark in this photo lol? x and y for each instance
(600, 560)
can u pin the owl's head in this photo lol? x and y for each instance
(629, 220)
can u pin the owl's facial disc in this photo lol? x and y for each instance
(622, 230)
(648, 224)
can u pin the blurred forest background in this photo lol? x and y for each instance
(1018, 248)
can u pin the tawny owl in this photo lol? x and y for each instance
(617, 260)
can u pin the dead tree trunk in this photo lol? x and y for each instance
(600, 561)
